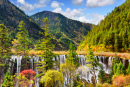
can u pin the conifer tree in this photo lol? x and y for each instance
(23, 40)
(8, 80)
(5, 47)
(115, 63)
(46, 47)
(116, 46)
(101, 75)
(92, 63)
(120, 69)
(72, 55)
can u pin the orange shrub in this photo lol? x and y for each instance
(121, 80)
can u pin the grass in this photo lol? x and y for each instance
(107, 54)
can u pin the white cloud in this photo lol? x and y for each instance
(25, 5)
(21, 1)
(95, 19)
(98, 3)
(77, 14)
(56, 4)
(41, 3)
(72, 14)
(12, 2)
(29, 7)
(77, 2)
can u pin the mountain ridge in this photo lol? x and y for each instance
(63, 29)
(11, 15)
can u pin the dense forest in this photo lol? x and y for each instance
(62, 29)
(112, 33)
(27, 57)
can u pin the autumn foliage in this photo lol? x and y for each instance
(121, 81)
(29, 74)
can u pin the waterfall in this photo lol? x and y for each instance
(110, 61)
(82, 60)
(99, 57)
(31, 62)
(19, 64)
(36, 59)
(11, 63)
(83, 70)
(123, 60)
(62, 59)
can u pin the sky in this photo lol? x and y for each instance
(88, 11)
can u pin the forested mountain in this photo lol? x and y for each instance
(62, 29)
(112, 33)
(11, 15)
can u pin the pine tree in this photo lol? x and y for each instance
(120, 69)
(23, 39)
(92, 63)
(22, 42)
(45, 45)
(115, 63)
(72, 55)
(101, 75)
(8, 80)
(116, 46)
(5, 47)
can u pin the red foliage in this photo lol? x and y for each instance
(28, 74)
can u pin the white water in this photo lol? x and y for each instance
(31, 62)
(36, 59)
(83, 70)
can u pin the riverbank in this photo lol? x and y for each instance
(107, 54)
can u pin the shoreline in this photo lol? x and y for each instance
(107, 54)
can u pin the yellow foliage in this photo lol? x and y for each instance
(51, 78)
(15, 42)
(32, 52)
(69, 71)
(23, 81)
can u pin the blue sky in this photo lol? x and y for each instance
(88, 11)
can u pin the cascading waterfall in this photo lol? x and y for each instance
(36, 59)
(110, 61)
(62, 59)
(83, 70)
(82, 60)
(31, 62)
(19, 58)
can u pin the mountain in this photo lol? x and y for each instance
(62, 29)
(112, 33)
(11, 15)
